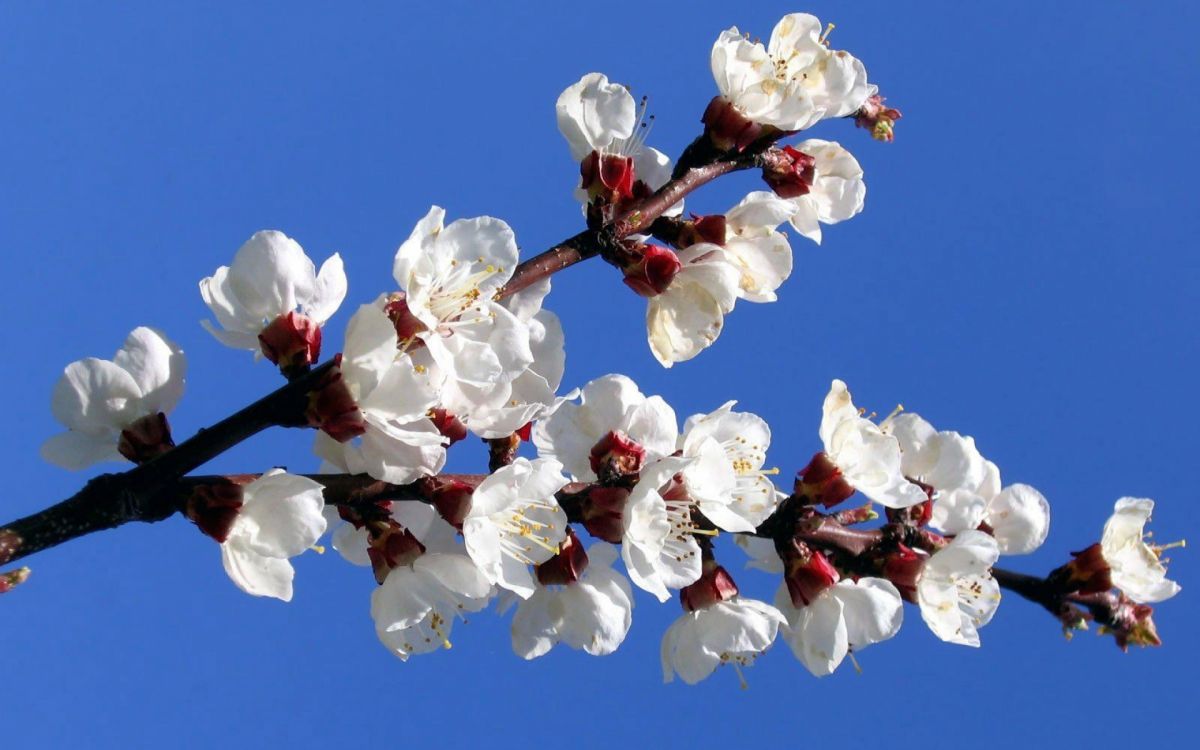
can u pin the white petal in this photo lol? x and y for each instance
(281, 515)
(258, 575)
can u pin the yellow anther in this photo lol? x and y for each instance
(825, 35)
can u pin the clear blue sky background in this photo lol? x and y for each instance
(1025, 272)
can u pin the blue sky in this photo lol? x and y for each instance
(1025, 272)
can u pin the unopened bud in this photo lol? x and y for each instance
(616, 457)
(147, 438)
(565, 567)
(603, 513)
(653, 271)
(728, 128)
(292, 341)
(13, 578)
(714, 585)
(789, 172)
(332, 409)
(390, 545)
(214, 506)
(821, 481)
(1131, 624)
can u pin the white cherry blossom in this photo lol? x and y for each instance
(688, 317)
(394, 394)
(761, 254)
(610, 403)
(1136, 567)
(868, 458)
(793, 82)
(592, 614)
(515, 522)
(281, 517)
(956, 591)
(597, 115)
(96, 399)
(450, 276)
(726, 479)
(658, 545)
(837, 192)
(270, 276)
(433, 582)
(846, 617)
(733, 632)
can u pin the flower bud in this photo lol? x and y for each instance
(903, 567)
(877, 118)
(390, 545)
(448, 424)
(332, 409)
(728, 128)
(292, 341)
(714, 585)
(13, 578)
(214, 506)
(146, 438)
(806, 572)
(603, 513)
(616, 457)
(653, 271)
(607, 178)
(407, 325)
(822, 482)
(789, 172)
(565, 567)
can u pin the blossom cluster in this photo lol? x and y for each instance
(453, 347)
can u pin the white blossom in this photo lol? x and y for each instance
(281, 517)
(727, 479)
(270, 276)
(837, 192)
(848, 616)
(610, 403)
(792, 83)
(761, 254)
(733, 632)
(450, 276)
(95, 399)
(688, 317)
(658, 545)
(956, 591)
(868, 458)
(1136, 567)
(592, 614)
(515, 522)
(433, 582)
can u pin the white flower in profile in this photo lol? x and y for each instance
(1136, 567)
(515, 521)
(735, 631)
(592, 614)
(658, 545)
(270, 276)
(596, 115)
(761, 254)
(450, 277)
(432, 582)
(401, 444)
(610, 403)
(968, 488)
(867, 458)
(688, 317)
(726, 479)
(844, 618)
(793, 82)
(837, 192)
(427, 636)
(280, 517)
(97, 399)
(956, 591)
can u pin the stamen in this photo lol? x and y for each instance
(854, 661)
(741, 677)
(825, 36)
(1159, 549)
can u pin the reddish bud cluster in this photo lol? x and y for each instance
(1131, 623)
(12, 579)
(728, 128)
(821, 481)
(292, 341)
(877, 118)
(789, 172)
(652, 271)
(565, 567)
(710, 229)
(607, 178)
(332, 409)
(214, 506)
(147, 438)
(1087, 573)
(714, 585)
